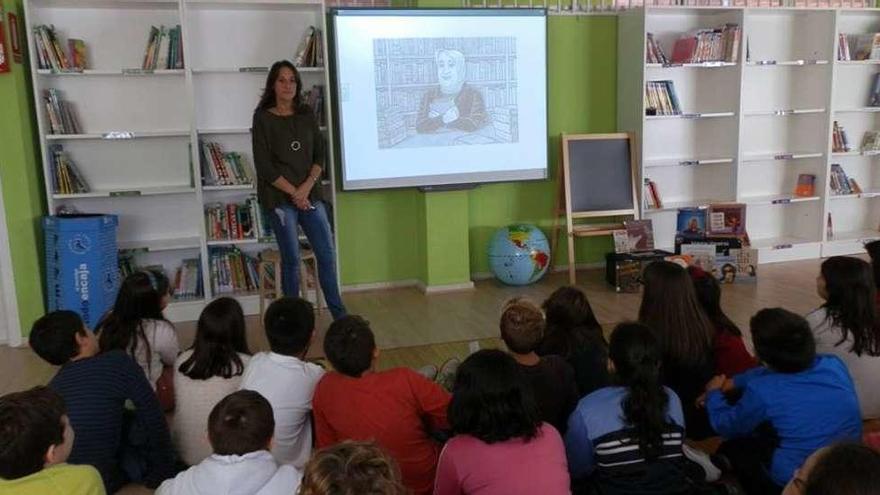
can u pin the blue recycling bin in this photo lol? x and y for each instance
(82, 271)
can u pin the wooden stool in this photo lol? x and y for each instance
(270, 286)
(308, 260)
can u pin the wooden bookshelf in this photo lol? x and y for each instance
(141, 129)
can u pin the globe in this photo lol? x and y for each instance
(519, 254)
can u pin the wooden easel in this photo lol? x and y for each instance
(564, 202)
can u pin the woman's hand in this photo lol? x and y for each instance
(300, 196)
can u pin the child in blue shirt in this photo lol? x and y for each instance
(797, 403)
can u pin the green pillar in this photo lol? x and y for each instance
(446, 253)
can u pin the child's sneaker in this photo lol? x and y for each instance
(428, 371)
(446, 376)
(713, 474)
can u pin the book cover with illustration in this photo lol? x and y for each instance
(727, 219)
(741, 266)
(691, 224)
(641, 234)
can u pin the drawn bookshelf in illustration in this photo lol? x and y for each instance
(445, 91)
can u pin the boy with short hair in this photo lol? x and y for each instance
(397, 408)
(240, 429)
(285, 379)
(94, 388)
(550, 377)
(797, 403)
(35, 442)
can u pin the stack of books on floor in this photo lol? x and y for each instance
(51, 55)
(233, 271)
(310, 52)
(708, 45)
(61, 116)
(220, 168)
(315, 99)
(660, 98)
(187, 281)
(841, 184)
(840, 141)
(655, 52)
(66, 178)
(164, 49)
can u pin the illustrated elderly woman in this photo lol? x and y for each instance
(452, 104)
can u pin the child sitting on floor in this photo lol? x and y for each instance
(240, 429)
(35, 442)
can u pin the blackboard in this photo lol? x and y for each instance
(599, 174)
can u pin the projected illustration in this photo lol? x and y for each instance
(445, 91)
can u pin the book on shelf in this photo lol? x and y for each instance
(655, 53)
(874, 97)
(691, 223)
(866, 46)
(50, 52)
(164, 49)
(232, 271)
(310, 52)
(840, 141)
(640, 234)
(314, 98)
(221, 168)
(187, 280)
(840, 183)
(806, 186)
(727, 219)
(661, 98)
(66, 177)
(719, 44)
(60, 114)
(652, 195)
(871, 142)
(229, 221)
(78, 56)
(261, 219)
(843, 53)
(829, 228)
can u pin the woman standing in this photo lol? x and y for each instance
(289, 158)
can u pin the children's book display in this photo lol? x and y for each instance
(634, 250)
(715, 240)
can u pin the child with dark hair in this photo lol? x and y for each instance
(671, 310)
(398, 408)
(35, 442)
(731, 356)
(95, 388)
(843, 469)
(848, 325)
(285, 379)
(627, 438)
(500, 444)
(873, 249)
(206, 373)
(572, 332)
(136, 324)
(550, 378)
(797, 403)
(240, 429)
(352, 468)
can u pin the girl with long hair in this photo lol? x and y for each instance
(206, 373)
(288, 152)
(847, 325)
(731, 356)
(136, 324)
(497, 430)
(628, 438)
(573, 333)
(671, 310)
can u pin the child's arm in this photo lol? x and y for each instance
(166, 343)
(578, 447)
(160, 462)
(743, 379)
(324, 434)
(432, 400)
(739, 419)
(447, 481)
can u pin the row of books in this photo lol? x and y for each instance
(187, 280)
(310, 52)
(858, 46)
(428, 47)
(237, 221)
(221, 168)
(842, 184)
(839, 139)
(61, 115)
(661, 99)
(315, 98)
(721, 219)
(719, 44)
(655, 53)
(233, 271)
(51, 55)
(164, 49)
(66, 178)
(652, 194)
(423, 71)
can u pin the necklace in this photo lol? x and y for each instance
(295, 145)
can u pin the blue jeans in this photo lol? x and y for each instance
(315, 225)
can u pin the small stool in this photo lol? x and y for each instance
(270, 285)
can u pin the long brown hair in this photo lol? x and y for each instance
(671, 309)
(267, 100)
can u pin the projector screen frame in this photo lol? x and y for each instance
(439, 181)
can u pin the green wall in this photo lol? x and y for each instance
(23, 193)
(382, 233)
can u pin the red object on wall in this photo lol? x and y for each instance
(15, 37)
(4, 54)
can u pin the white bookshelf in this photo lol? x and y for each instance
(785, 92)
(139, 146)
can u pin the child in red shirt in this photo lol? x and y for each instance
(397, 408)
